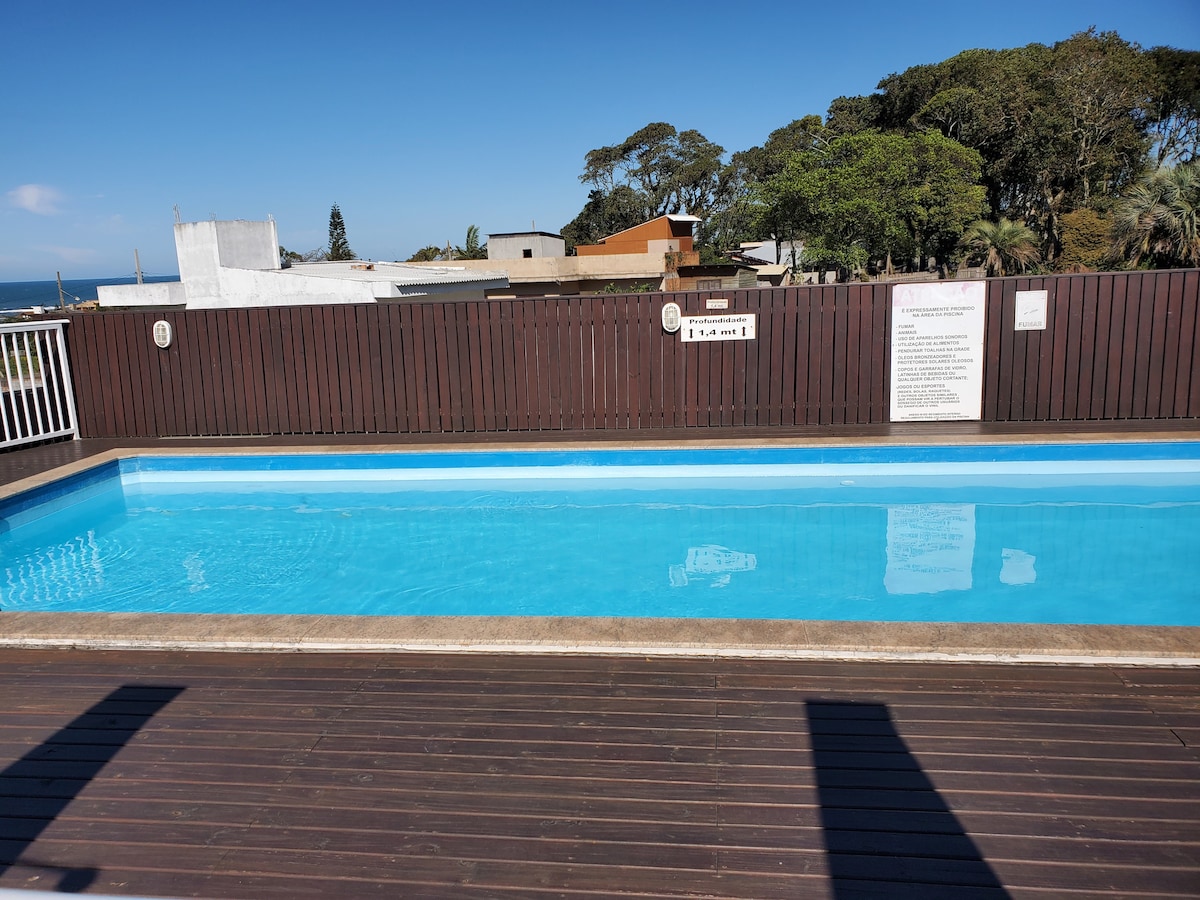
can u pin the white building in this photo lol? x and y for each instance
(526, 245)
(236, 264)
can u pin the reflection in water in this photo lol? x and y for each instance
(711, 564)
(71, 570)
(1016, 567)
(193, 567)
(930, 548)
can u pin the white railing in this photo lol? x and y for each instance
(36, 400)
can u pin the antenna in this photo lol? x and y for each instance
(176, 208)
(137, 265)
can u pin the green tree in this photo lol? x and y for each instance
(1059, 128)
(1099, 84)
(1085, 242)
(605, 213)
(473, 249)
(426, 254)
(671, 171)
(289, 256)
(1175, 106)
(741, 210)
(1004, 247)
(1155, 225)
(846, 115)
(892, 196)
(339, 248)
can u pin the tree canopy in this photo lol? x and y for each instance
(1033, 136)
(878, 196)
(669, 171)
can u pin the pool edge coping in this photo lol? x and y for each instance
(617, 636)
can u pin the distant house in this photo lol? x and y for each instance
(717, 277)
(666, 234)
(645, 257)
(526, 245)
(771, 252)
(776, 262)
(236, 264)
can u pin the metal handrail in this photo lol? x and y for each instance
(37, 402)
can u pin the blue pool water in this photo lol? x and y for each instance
(1106, 534)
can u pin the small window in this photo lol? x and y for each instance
(527, 253)
(708, 284)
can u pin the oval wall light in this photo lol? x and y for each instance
(162, 333)
(670, 317)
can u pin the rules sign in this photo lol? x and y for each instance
(937, 351)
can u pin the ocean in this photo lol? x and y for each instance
(16, 295)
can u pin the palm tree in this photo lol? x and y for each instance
(473, 249)
(1003, 247)
(1155, 224)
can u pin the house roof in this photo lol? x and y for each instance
(726, 268)
(509, 234)
(673, 217)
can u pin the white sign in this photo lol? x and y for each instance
(937, 351)
(716, 303)
(1030, 311)
(737, 327)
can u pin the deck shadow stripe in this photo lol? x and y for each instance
(940, 855)
(124, 712)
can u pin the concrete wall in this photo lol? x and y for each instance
(248, 245)
(640, 266)
(203, 248)
(158, 293)
(244, 288)
(513, 246)
(199, 259)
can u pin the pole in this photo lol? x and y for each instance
(137, 265)
(61, 303)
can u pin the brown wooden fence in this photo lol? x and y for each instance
(1117, 346)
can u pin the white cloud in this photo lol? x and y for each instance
(40, 199)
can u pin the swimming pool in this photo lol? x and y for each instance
(1049, 533)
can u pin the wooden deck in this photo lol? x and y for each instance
(412, 775)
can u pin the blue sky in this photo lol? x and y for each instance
(419, 120)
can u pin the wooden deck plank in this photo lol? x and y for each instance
(424, 775)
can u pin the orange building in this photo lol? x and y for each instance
(666, 234)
